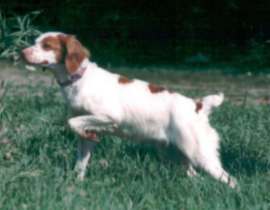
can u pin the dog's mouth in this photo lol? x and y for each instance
(44, 65)
(34, 66)
(31, 64)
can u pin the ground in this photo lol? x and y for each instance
(37, 149)
(241, 88)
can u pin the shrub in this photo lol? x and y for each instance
(16, 32)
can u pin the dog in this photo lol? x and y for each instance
(112, 104)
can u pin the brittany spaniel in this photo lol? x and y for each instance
(108, 103)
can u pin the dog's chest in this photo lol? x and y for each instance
(82, 101)
(73, 97)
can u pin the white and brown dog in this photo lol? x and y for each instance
(109, 103)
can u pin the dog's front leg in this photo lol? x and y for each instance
(84, 153)
(88, 127)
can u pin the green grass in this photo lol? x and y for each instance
(37, 159)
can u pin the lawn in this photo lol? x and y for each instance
(37, 155)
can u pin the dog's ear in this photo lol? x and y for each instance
(75, 53)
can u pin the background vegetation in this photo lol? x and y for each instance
(169, 32)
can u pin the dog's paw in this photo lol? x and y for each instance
(90, 135)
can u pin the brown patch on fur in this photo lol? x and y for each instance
(199, 106)
(67, 49)
(90, 136)
(155, 88)
(75, 52)
(54, 44)
(124, 80)
(45, 62)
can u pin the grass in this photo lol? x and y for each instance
(37, 155)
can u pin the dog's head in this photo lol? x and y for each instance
(56, 48)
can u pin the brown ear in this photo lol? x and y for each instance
(75, 53)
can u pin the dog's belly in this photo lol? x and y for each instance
(143, 131)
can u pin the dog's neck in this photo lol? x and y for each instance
(62, 76)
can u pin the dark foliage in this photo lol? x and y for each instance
(163, 30)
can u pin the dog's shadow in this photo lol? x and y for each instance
(232, 160)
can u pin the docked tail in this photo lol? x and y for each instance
(206, 104)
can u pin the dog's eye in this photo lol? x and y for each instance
(46, 46)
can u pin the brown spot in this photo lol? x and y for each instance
(155, 88)
(54, 44)
(45, 62)
(124, 80)
(75, 52)
(199, 106)
(90, 136)
(67, 49)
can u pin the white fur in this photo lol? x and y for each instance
(37, 55)
(133, 111)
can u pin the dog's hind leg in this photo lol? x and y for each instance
(200, 146)
(191, 172)
(213, 166)
(207, 156)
